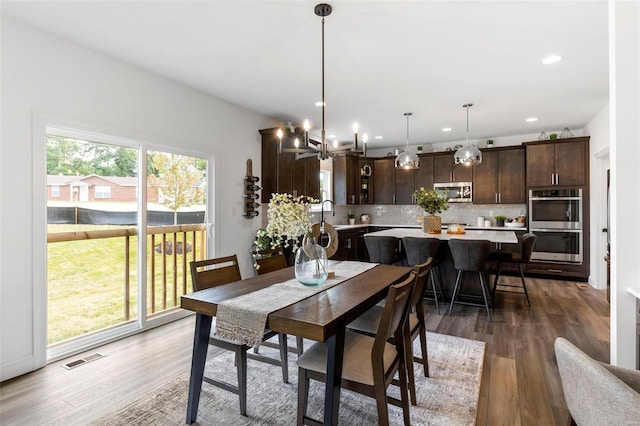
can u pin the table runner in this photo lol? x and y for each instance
(243, 319)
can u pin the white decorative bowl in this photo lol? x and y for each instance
(513, 224)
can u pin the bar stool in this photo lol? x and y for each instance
(418, 250)
(522, 257)
(470, 256)
(383, 250)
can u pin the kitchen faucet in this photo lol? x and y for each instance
(323, 236)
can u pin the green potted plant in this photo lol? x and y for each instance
(352, 218)
(432, 202)
(500, 220)
(489, 143)
(553, 136)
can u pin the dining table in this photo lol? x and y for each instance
(322, 317)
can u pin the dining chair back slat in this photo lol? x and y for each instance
(214, 272)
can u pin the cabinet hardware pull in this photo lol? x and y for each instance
(500, 197)
(394, 199)
(553, 179)
(557, 179)
(496, 197)
(557, 271)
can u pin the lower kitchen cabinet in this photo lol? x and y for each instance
(351, 245)
(558, 270)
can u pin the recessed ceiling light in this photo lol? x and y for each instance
(531, 119)
(551, 59)
(320, 103)
(446, 129)
(378, 137)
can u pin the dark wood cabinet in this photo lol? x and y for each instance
(345, 180)
(445, 170)
(424, 175)
(558, 163)
(500, 178)
(283, 173)
(351, 245)
(384, 183)
(353, 180)
(405, 184)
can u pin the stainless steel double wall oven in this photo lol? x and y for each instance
(555, 216)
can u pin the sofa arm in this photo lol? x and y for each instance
(630, 377)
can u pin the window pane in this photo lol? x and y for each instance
(91, 276)
(176, 207)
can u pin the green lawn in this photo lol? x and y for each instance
(86, 283)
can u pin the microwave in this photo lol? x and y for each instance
(456, 192)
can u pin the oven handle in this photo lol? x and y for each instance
(554, 230)
(554, 198)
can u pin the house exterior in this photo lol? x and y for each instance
(94, 188)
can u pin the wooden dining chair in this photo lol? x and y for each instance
(368, 324)
(214, 272)
(269, 260)
(369, 363)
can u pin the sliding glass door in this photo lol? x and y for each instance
(103, 280)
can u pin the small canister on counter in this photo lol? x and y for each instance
(487, 223)
(480, 221)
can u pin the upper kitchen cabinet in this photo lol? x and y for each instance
(424, 175)
(384, 184)
(283, 173)
(563, 162)
(353, 180)
(445, 170)
(500, 178)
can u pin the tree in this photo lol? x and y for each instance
(180, 180)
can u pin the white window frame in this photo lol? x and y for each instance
(41, 126)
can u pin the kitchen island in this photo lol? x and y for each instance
(446, 271)
(504, 237)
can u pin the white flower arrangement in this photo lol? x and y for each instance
(288, 218)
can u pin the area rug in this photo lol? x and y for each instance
(449, 397)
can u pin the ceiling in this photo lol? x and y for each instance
(382, 59)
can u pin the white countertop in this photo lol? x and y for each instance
(635, 292)
(502, 236)
(493, 228)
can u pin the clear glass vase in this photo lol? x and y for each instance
(311, 263)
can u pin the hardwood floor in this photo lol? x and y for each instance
(520, 381)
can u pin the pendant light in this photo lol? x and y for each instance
(407, 159)
(310, 147)
(468, 155)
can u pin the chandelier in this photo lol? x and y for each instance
(468, 155)
(308, 147)
(407, 159)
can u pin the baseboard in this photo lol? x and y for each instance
(16, 368)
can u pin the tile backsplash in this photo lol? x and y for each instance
(406, 214)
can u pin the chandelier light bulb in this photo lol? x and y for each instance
(355, 127)
(279, 134)
(365, 138)
(307, 125)
(296, 143)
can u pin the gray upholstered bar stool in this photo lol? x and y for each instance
(383, 250)
(418, 250)
(523, 256)
(470, 256)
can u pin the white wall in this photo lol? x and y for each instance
(624, 96)
(598, 129)
(45, 75)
